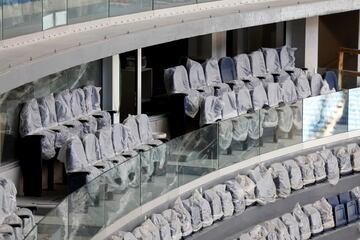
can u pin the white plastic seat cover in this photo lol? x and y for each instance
(295, 174)
(307, 169)
(316, 84)
(174, 222)
(63, 106)
(258, 232)
(314, 217)
(30, 119)
(332, 167)
(47, 111)
(281, 229)
(258, 94)
(249, 188)
(238, 195)
(92, 148)
(272, 60)
(105, 142)
(211, 110)
(287, 58)
(281, 179)
(197, 77)
(303, 221)
(78, 102)
(319, 166)
(256, 125)
(354, 151)
(265, 187)
(163, 226)
(147, 230)
(184, 217)
(215, 202)
(120, 235)
(292, 225)
(325, 210)
(302, 84)
(288, 88)
(271, 118)
(243, 66)
(226, 199)
(243, 97)
(225, 134)
(240, 128)
(230, 107)
(344, 159)
(286, 118)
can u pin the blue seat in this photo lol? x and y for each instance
(352, 211)
(340, 215)
(331, 78)
(334, 201)
(227, 69)
(344, 197)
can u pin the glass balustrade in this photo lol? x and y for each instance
(20, 17)
(164, 168)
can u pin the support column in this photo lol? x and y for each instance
(115, 99)
(218, 44)
(312, 43)
(139, 81)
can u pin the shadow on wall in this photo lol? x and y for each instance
(74, 77)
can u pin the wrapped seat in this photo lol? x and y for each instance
(332, 167)
(265, 187)
(281, 179)
(331, 79)
(354, 151)
(213, 76)
(292, 225)
(295, 174)
(344, 160)
(271, 118)
(147, 230)
(211, 112)
(318, 85)
(281, 229)
(258, 94)
(215, 202)
(249, 188)
(314, 218)
(174, 222)
(258, 232)
(243, 97)
(237, 194)
(307, 169)
(319, 166)
(200, 211)
(184, 217)
(240, 128)
(120, 235)
(230, 109)
(256, 129)
(303, 222)
(197, 78)
(226, 199)
(225, 134)
(163, 226)
(326, 213)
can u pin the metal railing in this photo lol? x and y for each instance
(341, 71)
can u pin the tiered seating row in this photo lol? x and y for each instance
(15, 222)
(260, 186)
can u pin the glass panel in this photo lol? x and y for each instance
(54, 225)
(171, 3)
(21, 17)
(158, 173)
(55, 13)
(86, 10)
(87, 207)
(195, 153)
(282, 127)
(325, 115)
(125, 189)
(245, 137)
(354, 109)
(131, 6)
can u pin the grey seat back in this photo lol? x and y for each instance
(130, 123)
(196, 74)
(63, 106)
(92, 98)
(176, 80)
(73, 155)
(243, 66)
(212, 72)
(78, 102)
(120, 136)
(287, 58)
(47, 110)
(272, 60)
(258, 65)
(104, 136)
(145, 132)
(30, 119)
(91, 147)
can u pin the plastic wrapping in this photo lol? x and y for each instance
(287, 58)
(196, 74)
(47, 111)
(92, 98)
(249, 188)
(302, 84)
(78, 102)
(28, 221)
(184, 217)
(332, 167)
(245, 236)
(163, 226)
(258, 63)
(174, 222)
(344, 159)
(8, 204)
(237, 194)
(225, 134)
(230, 107)
(48, 144)
(211, 110)
(354, 151)
(240, 128)
(281, 229)
(326, 213)
(265, 187)
(120, 235)
(63, 106)
(212, 72)
(319, 166)
(92, 148)
(147, 231)
(297, 115)
(7, 232)
(270, 228)
(258, 232)
(272, 60)
(307, 169)
(243, 66)
(288, 88)
(281, 179)
(259, 97)
(316, 83)
(197, 203)
(286, 118)
(303, 222)
(226, 199)
(72, 154)
(295, 174)
(90, 125)
(243, 97)
(292, 225)
(106, 145)
(215, 202)
(314, 218)
(30, 119)
(274, 94)
(271, 118)
(256, 125)
(145, 131)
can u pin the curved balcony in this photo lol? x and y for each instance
(199, 159)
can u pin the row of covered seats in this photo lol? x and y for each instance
(262, 185)
(46, 123)
(301, 223)
(15, 222)
(92, 154)
(229, 87)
